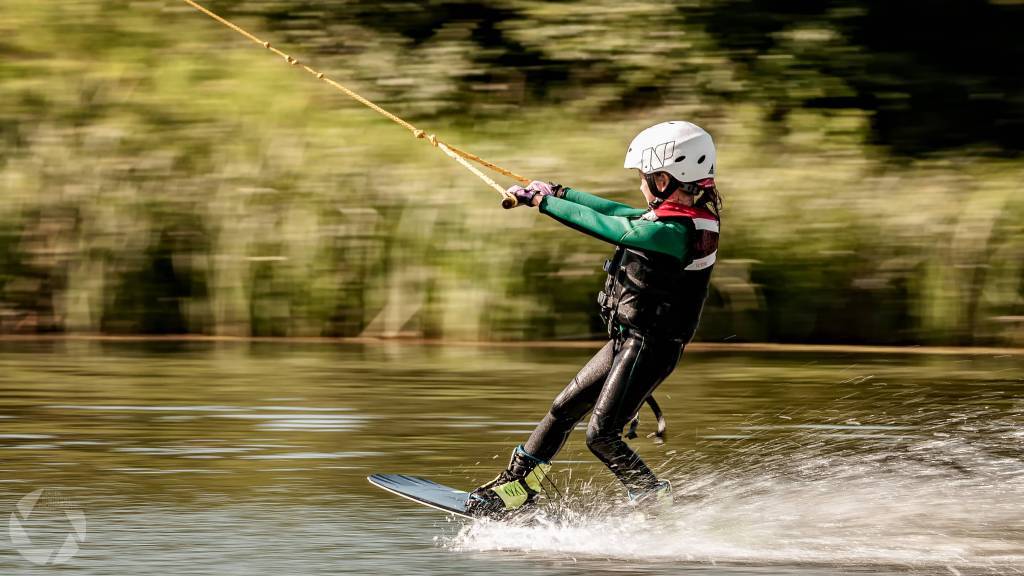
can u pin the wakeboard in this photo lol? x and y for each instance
(425, 492)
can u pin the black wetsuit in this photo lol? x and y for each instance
(657, 283)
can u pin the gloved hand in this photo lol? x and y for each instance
(546, 188)
(526, 196)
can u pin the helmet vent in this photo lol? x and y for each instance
(681, 158)
(701, 160)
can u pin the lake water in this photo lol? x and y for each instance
(251, 458)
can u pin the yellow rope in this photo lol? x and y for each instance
(460, 156)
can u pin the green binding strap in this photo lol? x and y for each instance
(512, 494)
(515, 493)
(536, 476)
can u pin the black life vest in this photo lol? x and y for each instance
(653, 293)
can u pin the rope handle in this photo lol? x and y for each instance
(464, 158)
(659, 434)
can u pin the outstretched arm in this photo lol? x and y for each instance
(536, 190)
(601, 205)
(664, 237)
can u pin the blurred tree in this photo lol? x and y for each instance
(933, 76)
(162, 175)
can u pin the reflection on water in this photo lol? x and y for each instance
(251, 459)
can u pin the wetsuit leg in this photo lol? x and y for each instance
(571, 405)
(639, 367)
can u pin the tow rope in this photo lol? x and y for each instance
(461, 156)
(508, 200)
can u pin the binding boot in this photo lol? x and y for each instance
(654, 500)
(511, 490)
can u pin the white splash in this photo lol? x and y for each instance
(947, 494)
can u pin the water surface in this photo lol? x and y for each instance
(251, 458)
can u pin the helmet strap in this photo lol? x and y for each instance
(691, 188)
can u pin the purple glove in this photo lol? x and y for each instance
(546, 188)
(525, 196)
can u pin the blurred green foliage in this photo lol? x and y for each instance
(162, 175)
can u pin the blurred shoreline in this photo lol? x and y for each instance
(758, 347)
(161, 176)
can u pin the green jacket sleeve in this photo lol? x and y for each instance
(606, 207)
(658, 236)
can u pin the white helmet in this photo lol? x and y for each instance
(679, 148)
